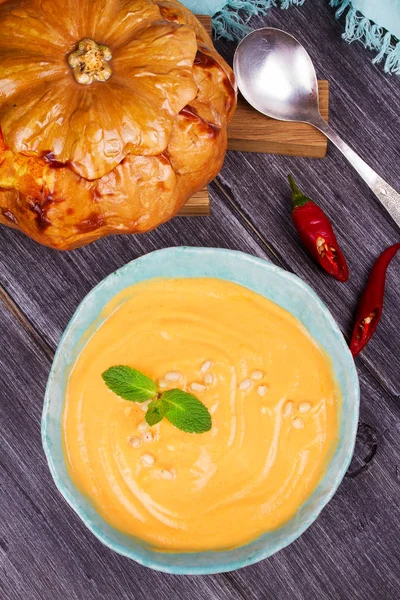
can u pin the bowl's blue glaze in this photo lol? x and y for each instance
(285, 289)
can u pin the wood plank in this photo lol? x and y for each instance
(30, 329)
(263, 194)
(206, 21)
(197, 206)
(46, 551)
(250, 131)
(257, 183)
(48, 285)
(351, 551)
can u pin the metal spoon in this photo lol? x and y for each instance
(276, 76)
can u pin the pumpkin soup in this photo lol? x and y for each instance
(270, 391)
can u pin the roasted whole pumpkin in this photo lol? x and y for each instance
(112, 113)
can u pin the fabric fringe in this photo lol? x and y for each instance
(373, 37)
(231, 22)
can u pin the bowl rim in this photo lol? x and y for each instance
(321, 502)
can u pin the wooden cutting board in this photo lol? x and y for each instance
(250, 131)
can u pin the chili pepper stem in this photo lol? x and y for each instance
(298, 198)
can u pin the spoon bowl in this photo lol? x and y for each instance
(276, 76)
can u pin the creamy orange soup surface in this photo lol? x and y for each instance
(269, 387)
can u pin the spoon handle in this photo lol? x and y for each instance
(386, 194)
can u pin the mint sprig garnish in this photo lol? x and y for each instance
(183, 410)
(129, 384)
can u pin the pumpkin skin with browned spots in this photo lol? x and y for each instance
(112, 113)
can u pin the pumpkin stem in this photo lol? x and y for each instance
(89, 62)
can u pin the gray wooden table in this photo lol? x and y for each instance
(353, 549)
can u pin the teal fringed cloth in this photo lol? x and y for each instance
(375, 23)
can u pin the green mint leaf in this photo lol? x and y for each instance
(153, 415)
(184, 411)
(129, 383)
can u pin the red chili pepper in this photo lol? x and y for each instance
(370, 306)
(316, 233)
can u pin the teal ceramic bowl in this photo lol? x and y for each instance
(281, 287)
